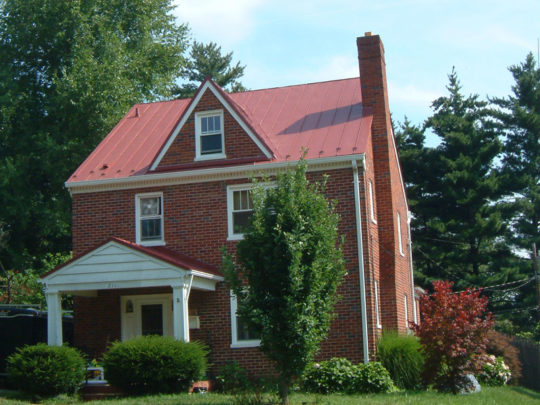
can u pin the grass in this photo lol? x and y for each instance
(489, 395)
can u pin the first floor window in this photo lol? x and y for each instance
(400, 241)
(377, 310)
(149, 213)
(242, 336)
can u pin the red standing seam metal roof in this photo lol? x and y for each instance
(159, 252)
(326, 118)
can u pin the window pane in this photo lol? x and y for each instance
(236, 200)
(210, 144)
(245, 204)
(217, 123)
(151, 229)
(152, 319)
(204, 124)
(241, 221)
(243, 332)
(150, 206)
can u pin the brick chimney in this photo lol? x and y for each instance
(394, 268)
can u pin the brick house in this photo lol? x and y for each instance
(169, 186)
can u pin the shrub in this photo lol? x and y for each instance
(494, 372)
(453, 335)
(334, 375)
(501, 345)
(402, 356)
(232, 378)
(154, 364)
(371, 378)
(340, 375)
(46, 370)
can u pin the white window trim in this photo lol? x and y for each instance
(236, 344)
(138, 229)
(377, 309)
(198, 155)
(400, 236)
(371, 203)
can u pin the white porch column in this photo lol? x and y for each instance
(180, 311)
(54, 319)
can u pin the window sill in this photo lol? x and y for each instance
(373, 221)
(379, 326)
(235, 237)
(246, 344)
(152, 243)
(212, 156)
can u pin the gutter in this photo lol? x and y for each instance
(360, 250)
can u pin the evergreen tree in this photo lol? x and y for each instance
(207, 60)
(68, 72)
(519, 119)
(292, 237)
(460, 224)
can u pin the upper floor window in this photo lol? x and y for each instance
(240, 210)
(400, 241)
(209, 135)
(149, 219)
(371, 202)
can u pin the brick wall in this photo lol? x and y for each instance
(238, 144)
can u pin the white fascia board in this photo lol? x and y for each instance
(187, 114)
(209, 174)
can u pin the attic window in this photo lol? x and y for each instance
(209, 135)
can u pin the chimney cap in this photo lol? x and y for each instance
(367, 33)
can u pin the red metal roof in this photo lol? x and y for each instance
(326, 118)
(159, 252)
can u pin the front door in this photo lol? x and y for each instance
(146, 315)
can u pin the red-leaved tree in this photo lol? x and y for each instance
(453, 333)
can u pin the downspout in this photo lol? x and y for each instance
(360, 250)
(411, 267)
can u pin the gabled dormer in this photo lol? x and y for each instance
(212, 130)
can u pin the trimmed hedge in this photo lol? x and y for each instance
(154, 364)
(46, 370)
(402, 356)
(340, 375)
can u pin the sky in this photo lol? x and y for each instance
(287, 42)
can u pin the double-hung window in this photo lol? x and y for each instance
(242, 336)
(149, 219)
(240, 210)
(209, 135)
(400, 236)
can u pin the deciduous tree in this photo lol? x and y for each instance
(289, 266)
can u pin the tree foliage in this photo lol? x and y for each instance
(68, 71)
(292, 264)
(453, 334)
(207, 60)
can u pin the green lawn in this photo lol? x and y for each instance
(504, 395)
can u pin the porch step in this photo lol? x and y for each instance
(90, 392)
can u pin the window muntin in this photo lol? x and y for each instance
(240, 333)
(149, 217)
(209, 141)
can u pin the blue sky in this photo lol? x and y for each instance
(292, 42)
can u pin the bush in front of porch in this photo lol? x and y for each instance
(154, 364)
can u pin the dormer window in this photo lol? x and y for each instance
(209, 135)
(149, 217)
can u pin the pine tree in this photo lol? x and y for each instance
(207, 60)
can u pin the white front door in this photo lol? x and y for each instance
(146, 315)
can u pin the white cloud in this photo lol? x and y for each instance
(411, 94)
(225, 22)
